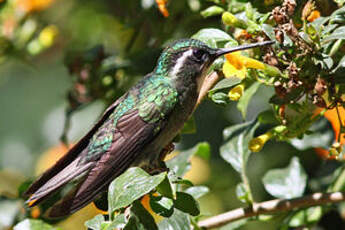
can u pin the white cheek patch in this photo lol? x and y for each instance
(181, 61)
(200, 80)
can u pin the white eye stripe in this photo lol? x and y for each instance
(180, 62)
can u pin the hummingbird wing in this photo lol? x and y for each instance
(69, 157)
(117, 143)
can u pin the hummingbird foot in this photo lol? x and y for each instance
(166, 151)
(159, 165)
(157, 168)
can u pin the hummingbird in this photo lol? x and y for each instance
(134, 130)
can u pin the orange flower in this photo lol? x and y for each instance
(35, 212)
(243, 34)
(33, 5)
(162, 7)
(332, 117)
(313, 15)
(145, 201)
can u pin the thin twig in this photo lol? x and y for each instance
(272, 206)
(340, 123)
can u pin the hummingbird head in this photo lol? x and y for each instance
(188, 60)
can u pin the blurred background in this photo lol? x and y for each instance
(51, 52)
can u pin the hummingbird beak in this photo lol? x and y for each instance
(223, 51)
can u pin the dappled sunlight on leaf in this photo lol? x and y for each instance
(288, 182)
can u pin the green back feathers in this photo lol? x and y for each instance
(154, 100)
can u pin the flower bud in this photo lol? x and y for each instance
(48, 35)
(336, 149)
(231, 20)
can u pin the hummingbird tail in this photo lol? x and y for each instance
(69, 173)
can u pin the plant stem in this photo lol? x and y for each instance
(339, 181)
(340, 124)
(272, 207)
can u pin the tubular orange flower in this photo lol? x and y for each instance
(243, 34)
(162, 7)
(313, 16)
(332, 116)
(256, 144)
(236, 65)
(33, 5)
(145, 201)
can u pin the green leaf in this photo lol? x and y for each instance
(234, 225)
(286, 183)
(268, 117)
(134, 224)
(95, 223)
(341, 64)
(203, 151)
(321, 136)
(338, 16)
(130, 186)
(235, 151)
(186, 203)
(220, 98)
(143, 216)
(189, 127)
(197, 191)
(242, 193)
(162, 206)
(325, 61)
(178, 180)
(338, 33)
(180, 163)
(294, 94)
(243, 103)
(194, 223)
(212, 11)
(212, 36)
(298, 219)
(31, 224)
(178, 221)
(306, 217)
(165, 188)
(269, 31)
(225, 83)
(118, 222)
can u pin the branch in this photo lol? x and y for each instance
(272, 206)
(209, 82)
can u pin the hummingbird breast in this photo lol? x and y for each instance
(187, 98)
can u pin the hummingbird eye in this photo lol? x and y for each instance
(199, 54)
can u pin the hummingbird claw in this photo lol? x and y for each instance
(167, 150)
